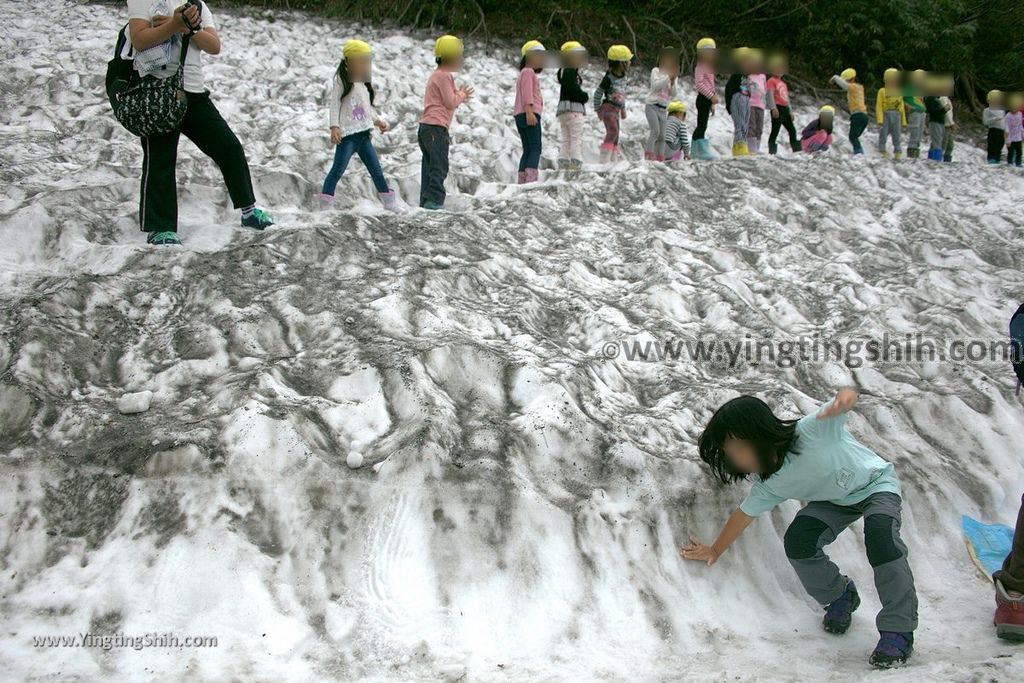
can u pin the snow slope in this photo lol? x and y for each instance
(517, 498)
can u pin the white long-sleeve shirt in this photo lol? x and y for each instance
(353, 114)
(662, 89)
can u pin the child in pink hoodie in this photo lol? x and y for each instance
(440, 101)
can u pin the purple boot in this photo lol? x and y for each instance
(893, 649)
(839, 613)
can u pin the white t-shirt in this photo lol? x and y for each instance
(162, 60)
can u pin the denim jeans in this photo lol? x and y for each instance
(531, 137)
(358, 143)
(434, 143)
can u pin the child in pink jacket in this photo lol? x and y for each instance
(529, 105)
(758, 98)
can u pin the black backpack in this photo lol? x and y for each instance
(1017, 345)
(145, 106)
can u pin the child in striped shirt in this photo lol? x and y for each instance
(707, 96)
(677, 136)
(610, 100)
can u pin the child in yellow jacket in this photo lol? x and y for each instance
(891, 113)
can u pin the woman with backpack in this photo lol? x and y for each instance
(157, 30)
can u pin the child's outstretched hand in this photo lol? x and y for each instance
(467, 91)
(844, 401)
(699, 552)
(382, 125)
(335, 135)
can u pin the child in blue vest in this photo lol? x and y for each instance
(815, 459)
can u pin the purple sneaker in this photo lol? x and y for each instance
(839, 613)
(893, 649)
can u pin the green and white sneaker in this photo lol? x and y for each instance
(257, 220)
(164, 238)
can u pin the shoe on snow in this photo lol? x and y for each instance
(893, 649)
(839, 613)
(432, 206)
(1009, 617)
(257, 220)
(165, 238)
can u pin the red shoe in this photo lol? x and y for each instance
(1009, 618)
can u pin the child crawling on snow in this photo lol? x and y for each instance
(815, 459)
(817, 135)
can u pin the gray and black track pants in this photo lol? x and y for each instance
(820, 523)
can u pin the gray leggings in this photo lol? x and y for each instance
(820, 523)
(740, 114)
(892, 125)
(657, 117)
(937, 134)
(915, 127)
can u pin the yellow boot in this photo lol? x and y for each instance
(740, 149)
(885, 155)
(897, 155)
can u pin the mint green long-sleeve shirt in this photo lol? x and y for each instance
(830, 466)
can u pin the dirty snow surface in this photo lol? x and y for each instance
(366, 446)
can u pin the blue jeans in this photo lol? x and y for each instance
(358, 143)
(531, 137)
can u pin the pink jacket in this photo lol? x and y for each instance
(758, 88)
(779, 91)
(1014, 126)
(528, 92)
(704, 80)
(441, 99)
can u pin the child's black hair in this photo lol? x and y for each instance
(750, 419)
(614, 65)
(522, 65)
(346, 82)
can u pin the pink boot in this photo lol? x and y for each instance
(326, 201)
(522, 177)
(532, 175)
(390, 201)
(649, 156)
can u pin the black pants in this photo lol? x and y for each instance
(203, 125)
(434, 142)
(994, 145)
(1013, 154)
(785, 120)
(703, 113)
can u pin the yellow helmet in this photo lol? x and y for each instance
(573, 46)
(848, 74)
(619, 53)
(993, 96)
(741, 53)
(918, 75)
(890, 73)
(447, 47)
(827, 109)
(531, 46)
(706, 44)
(355, 48)
(676, 106)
